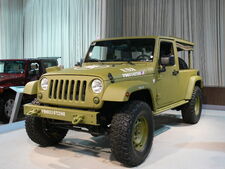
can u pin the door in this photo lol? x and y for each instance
(167, 82)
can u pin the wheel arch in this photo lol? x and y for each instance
(194, 81)
(143, 95)
(8, 92)
(199, 83)
(31, 88)
(112, 106)
(129, 90)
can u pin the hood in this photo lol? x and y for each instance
(10, 78)
(103, 70)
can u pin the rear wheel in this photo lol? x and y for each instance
(191, 112)
(41, 132)
(131, 133)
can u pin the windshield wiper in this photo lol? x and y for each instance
(93, 60)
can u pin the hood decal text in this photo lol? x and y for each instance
(133, 74)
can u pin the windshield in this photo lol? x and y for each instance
(121, 50)
(16, 67)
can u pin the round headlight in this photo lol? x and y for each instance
(44, 83)
(97, 86)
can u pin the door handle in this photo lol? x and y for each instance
(175, 72)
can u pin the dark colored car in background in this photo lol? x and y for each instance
(17, 72)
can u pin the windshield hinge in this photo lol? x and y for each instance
(110, 76)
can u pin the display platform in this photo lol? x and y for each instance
(176, 146)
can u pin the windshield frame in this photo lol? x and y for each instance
(121, 61)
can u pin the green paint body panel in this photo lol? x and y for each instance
(31, 88)
(53, 69)
(167, 90)
(117, 91)
(191, 84)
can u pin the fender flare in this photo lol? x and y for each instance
(118, 91)
(191, 86)
(31, 88)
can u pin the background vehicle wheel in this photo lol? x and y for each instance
(41, 132)
(2, 103)
(6, 106)
(191, 112)
(131, 133)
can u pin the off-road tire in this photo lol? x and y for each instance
(189, 113)
(40, 132)
(121, 133)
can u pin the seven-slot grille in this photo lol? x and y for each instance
(62, 89)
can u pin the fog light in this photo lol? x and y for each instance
(96, 100)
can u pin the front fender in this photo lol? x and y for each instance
(31, 88)
(191, 85)
(118, 91)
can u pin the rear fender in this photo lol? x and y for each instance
(192, 82)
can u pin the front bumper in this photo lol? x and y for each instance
(74, 116)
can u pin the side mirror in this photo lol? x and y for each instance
(166, 61)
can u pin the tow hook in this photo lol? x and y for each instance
(33, 112)
(77, 119)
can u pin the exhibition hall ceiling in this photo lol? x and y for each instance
(40, 28)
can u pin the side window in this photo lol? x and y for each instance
(167, 52)
(33, 70)
(183, 59)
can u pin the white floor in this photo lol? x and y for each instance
(176, 146)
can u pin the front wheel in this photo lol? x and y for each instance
(191, 112)
(131, 133)
(42, 132)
